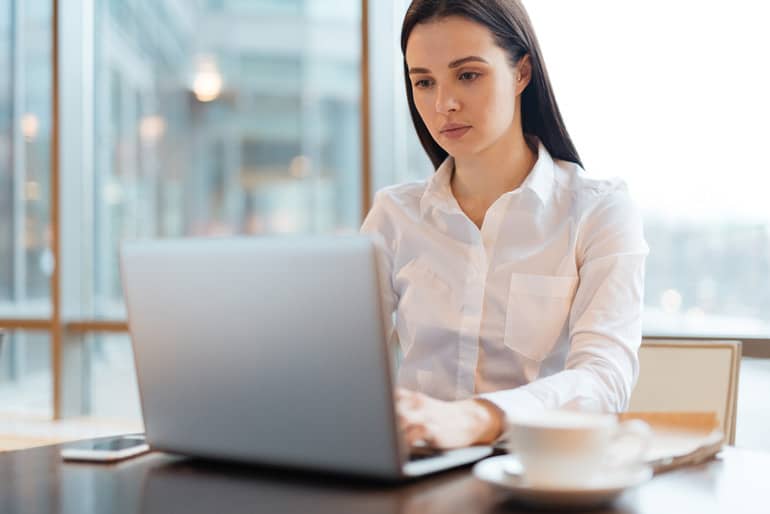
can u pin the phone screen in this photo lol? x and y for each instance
(111, 445)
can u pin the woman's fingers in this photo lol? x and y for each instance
(411, 415)
(409, 408)
(436, 423)
(414, 434)
(408, 415)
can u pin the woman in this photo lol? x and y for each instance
(516, 281)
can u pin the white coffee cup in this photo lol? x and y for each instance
(560, 448)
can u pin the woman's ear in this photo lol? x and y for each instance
(523, 74)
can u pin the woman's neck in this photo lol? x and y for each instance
(482, 178)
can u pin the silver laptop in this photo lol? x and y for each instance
(268, 350)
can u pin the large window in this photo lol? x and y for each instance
(25, 158)
(672, 98)
(26, 375)
(205, 119)
(230, 118)
(236, 118)
(26, 260)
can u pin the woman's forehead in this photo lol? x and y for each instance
(440, 42)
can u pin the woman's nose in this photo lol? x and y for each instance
(446, 101)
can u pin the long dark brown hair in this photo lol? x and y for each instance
(512, 29)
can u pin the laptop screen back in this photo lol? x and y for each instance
(263, 350)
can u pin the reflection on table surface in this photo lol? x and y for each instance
(190, 486)
(37, 481)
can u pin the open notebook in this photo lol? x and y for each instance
(680, 438)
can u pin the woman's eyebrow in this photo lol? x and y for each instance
(470, 58)
(453, 64)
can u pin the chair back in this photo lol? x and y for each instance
(689, 375)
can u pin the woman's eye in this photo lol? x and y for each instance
(469, 75)
(422, 84)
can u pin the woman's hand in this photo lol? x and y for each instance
(447, 425)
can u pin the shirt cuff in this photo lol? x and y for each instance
(515, 403)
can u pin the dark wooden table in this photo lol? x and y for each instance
(36, 481)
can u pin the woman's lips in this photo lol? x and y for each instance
(455, 133)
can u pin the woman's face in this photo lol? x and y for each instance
(464, 86)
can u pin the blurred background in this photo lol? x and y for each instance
(214, 118)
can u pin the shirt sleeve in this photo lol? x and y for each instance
(605, 323)
(379, 227)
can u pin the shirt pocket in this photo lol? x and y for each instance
(537, 313)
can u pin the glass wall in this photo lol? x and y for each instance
(672, 97)
(204, 118)
(26, 261)
(25, 142)
(222, 118)
(111, 392)
(25, 375)
(214, 119)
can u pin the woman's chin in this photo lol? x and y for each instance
(460, 151)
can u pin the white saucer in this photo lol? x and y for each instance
(603, 490)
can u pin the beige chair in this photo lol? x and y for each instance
(689, 375)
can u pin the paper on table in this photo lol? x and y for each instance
(680, 438)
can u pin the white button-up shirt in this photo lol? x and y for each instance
(540, 308)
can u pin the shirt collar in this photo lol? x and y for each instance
(540, 179)
(438, 191)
